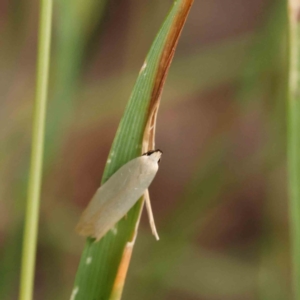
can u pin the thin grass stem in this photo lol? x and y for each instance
(34, 185)
(294, 140)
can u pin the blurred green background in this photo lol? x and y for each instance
(220, 197)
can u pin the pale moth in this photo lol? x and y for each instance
(118, 194)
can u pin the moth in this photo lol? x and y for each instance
(118, 195)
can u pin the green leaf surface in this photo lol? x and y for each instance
(103, 265)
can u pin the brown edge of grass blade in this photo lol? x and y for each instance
(162, 71)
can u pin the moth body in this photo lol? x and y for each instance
(118, 195)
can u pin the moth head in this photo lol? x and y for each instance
(154, 154)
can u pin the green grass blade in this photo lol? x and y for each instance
(294, 139)
(103, 265)
(34, 186)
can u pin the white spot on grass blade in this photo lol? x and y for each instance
(89, 260)
(109, 161)
(143, 67)
(130, 244)
(74, 293)
(114, 230)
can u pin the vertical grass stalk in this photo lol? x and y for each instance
(34, 185)
(294, 139)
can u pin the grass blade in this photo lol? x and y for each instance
(103, 266)
(294, 139)
(34, 186)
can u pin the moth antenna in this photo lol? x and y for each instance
(150, 215)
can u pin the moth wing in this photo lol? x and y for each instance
(116, 197)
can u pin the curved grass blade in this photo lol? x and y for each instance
(103, 265)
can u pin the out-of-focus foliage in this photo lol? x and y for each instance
(220, 197)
